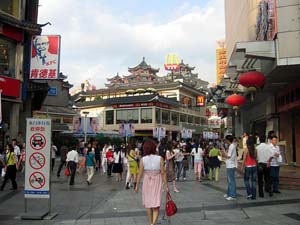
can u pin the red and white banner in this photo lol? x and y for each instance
(37, 163)
(45, 55)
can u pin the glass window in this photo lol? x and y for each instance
(7, 58)
(197, 120)
(157, 116)
(165, 117)
(174, 118)
(183, 118)
(127, 115)
(190, 119)
(146, 115)
(10, 6)
(109, 117)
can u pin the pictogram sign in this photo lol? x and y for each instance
(37, 161)
(37, 141)
(37, 180)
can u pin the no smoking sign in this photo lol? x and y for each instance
(37, 160)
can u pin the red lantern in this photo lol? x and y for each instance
(235, 100)
(252, 80)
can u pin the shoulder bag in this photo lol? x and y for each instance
(171, 208)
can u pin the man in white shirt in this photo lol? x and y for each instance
(231, 165)
(16, 148)
(274, 160)
(53, 155)
(263, 155)
(72, 162)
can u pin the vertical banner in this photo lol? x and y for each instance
(45, 55)
(37, 164)
(159, 132)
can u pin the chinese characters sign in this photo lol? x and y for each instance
(221, 61)
(45, 54)
(38, 137)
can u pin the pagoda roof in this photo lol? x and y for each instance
(144, 66)
(183, 65)
(129, 99)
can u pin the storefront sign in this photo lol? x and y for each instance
(172, 62)
(10, 87)
(11, 32)
(52, 91)
(200, 101)
(221, 61)
(37, 164)
(146, 104)
(45, 54)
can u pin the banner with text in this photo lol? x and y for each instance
(37, 163)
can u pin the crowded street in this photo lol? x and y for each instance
(107, 202)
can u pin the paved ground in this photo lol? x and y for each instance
(106, 202)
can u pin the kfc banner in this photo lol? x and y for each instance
(45, 55)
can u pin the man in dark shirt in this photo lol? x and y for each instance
(63, 156)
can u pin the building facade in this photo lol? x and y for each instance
(18, 22)
(148, 101)
(264, 36)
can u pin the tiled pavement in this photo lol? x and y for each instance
(106, 202)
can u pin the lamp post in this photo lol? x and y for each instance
(85, 113)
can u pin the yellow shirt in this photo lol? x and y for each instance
(10, 157)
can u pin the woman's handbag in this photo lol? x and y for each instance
(67, 172)
(171, 207)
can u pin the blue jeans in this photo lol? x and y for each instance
(231, 191)
(179, 168)
(251, 188)
(274, 178)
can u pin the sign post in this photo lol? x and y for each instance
(37, 165)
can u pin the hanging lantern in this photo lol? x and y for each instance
(235, 100)
(252, 80)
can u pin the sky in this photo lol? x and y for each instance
(100, 38)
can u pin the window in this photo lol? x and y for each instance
(109, 117)
(10, 7)
(183, 118)
(165, 117)
(7, 58)
(174, 119)
(157, 116)
(146, 115)
(190, 119)
(197, 120)
(128, 115)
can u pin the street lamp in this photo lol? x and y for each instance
(85, 113)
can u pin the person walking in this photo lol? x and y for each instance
(250, 165)
(133, 165)
(274, 162)
(197, 153)
(170, 166)
(263, 155)
(72, 162)
(11, 168)
(90, 163)
(214, 163)
(110, 160)
(53, 155)
(179, 158)
(231, 165)
(118, 163)
(103, 158)
(63, 156)
(152, 166)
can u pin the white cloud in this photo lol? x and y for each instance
(97, 44)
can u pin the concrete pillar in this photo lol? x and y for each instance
(272, 123)
(14, 120)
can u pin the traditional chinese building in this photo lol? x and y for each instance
(148, 100)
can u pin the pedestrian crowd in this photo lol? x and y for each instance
(162, 163)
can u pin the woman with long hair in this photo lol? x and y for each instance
(170, 166)
(132, 158)
(197, 152)
(90, 163)
(11, 167)
(118, 163)
(250, 164)
(152, 166)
